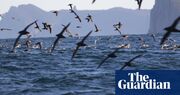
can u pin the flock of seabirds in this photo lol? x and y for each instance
(81, 43)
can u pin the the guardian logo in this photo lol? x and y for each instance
(138, 81)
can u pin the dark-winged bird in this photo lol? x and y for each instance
(7, 29)
(76, 15)
(93, 1)
(37, 26)
(23, 32)
(117, 27)
(111, 55)
(49, 28)
(55, 12)
(67, 31)
(96, 28)
(80, 44)
(45, 26)
(139, 2)
(70, 5)
(89, 18)
(129, 62)
(170, 29)
(60, 35)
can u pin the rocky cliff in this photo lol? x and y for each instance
(163, 14)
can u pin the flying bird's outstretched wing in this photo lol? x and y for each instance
(166, 35)
(129, 62)
(29, 25)
(102, 62)
(93, 1)
(80, 43)
(15, 43)
(175, 23)
(75, 51)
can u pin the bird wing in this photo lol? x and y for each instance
(96, 26)
(16, 41)
(93, 1)
(175, 23)
(102, 62)
(54, 45)
(79, 18)
(166, 35)
(86, 36)
(134, 58)
(29, 25)
(64, 29)
(75, 51)
(129, 62)
(50, 29)
(123, 66)
(37, 26)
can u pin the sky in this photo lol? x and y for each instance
(49, 5)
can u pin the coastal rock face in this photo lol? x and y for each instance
(163, 14)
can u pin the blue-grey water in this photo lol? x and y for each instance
(37, 72)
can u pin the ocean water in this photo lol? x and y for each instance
(37, 72)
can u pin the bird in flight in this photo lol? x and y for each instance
(170, 29)
(129, 62)
(93, 1)
(111, 55)
(139, 2)
(70, 5)
(7, 29)
(60, 35)
(55, 12)
(45, 26)
(22, 32)
(80, 44)
(49, 28)
(89, 18)
(67, 31)
(76, 15)
(96, 28)
(37, 26)
(118, 27)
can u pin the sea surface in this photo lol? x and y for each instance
(37, 72)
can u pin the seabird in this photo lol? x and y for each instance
(22, 32)
(38, 45)
(170, 29)
(129, 62)
(37, 26)
(143, 43)
(60, 35)
(111, 55)
(55, 12)
(117, 27)
(67, 31)
(96, 28)
(49, 28)
(70, 5)
(89, 18)
(80, 44)
(93, 1)
(76, 15)
(2, 29)
(139, 2)
(45, 26)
